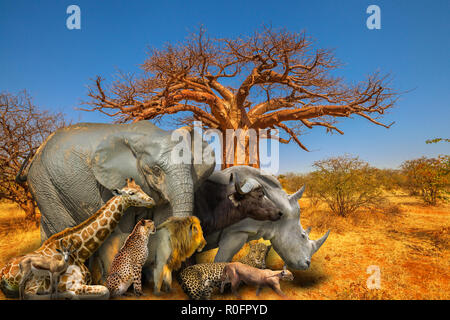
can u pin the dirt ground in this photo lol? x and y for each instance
(409, 243)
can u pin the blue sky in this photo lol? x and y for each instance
(38, 53)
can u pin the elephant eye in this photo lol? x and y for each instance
(156, 171)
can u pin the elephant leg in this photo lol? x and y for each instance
(103, 258)
(54, 218)
(229, 245)
(147, 274)
(167, 280)
(162, 255)
(158, 274)
(96, 268)
(55, 215)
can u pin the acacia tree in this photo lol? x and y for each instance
(431, 176)
(272, 79)
(23, 127)
(346, 184)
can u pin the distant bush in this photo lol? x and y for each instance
(294, 181)
(429, 177)
(346, 184)
(392, 179)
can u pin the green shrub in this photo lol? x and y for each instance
(429, 177)
(346, 184)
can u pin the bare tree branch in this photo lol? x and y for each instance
(23, 127)
(267, 79)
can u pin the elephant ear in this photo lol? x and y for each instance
(114, 161)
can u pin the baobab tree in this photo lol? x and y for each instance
(23, 127)
(272, 79)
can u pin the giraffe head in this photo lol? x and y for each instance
(134, 196)
(65, 252)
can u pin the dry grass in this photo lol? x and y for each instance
(17, 235)
(408, 241)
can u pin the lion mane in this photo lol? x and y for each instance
(186, 236)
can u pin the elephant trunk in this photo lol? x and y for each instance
(181, 192)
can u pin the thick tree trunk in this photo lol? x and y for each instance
(243, 151)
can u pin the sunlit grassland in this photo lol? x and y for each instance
(409, 242)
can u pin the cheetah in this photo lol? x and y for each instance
(200, 280)
(126, 268)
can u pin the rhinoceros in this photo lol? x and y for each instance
(286, 234)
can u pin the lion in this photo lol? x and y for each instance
(176, 239)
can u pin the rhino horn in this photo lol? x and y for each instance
(296, 196)
(318, 243)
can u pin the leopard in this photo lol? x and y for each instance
(257, 254)
(199, 281)
(126, 268)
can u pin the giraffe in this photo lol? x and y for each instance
(86, 238)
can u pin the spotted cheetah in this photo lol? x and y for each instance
(200, 280)
(126, 268)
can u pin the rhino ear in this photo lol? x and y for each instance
(307, 231)
(115, 159)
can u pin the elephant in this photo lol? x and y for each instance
(74, 171)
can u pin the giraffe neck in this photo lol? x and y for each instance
(90, 234)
